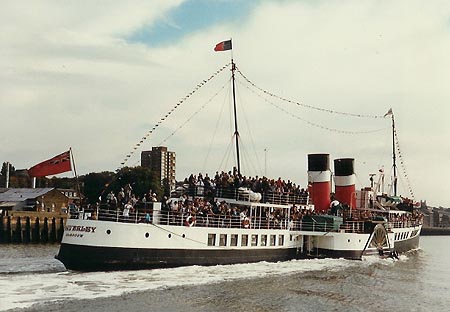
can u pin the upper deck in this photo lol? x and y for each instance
(253, 216)
(243, 194)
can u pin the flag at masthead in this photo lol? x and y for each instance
(223, 46)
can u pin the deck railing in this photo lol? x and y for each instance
(214, 221)
(146, 214)
(244, 194)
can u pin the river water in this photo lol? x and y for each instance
(32, 280)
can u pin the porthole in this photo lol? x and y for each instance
(348, 240)
(183, 236)
(169, 236)
(108, 232)
(147, 235)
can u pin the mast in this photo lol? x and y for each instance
(76, 176)
(394, 165)
(236, 132)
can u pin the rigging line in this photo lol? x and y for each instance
(309, 122)
(173, 233)
(226, 155)
(306, 105)
(196, 88)
(232, 130)
(249, 164)
(244, 156)
(402, 164)
(244, 113)
(385, 150)
(193, 115)
(216, 127)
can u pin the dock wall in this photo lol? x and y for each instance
(428, 231)
(32, 227)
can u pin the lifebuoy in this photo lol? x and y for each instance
(190, 221)
(246, 222)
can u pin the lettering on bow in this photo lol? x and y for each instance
(80, 228)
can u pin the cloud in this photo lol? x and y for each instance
(70, 76)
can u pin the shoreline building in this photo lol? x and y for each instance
(162, 162)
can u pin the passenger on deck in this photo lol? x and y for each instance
(335, 206)
(126, 209)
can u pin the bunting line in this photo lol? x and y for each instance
(305, 105)
(181, 101)
(195, 113)
(307, 121)
(402, 165)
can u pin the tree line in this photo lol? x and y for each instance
(94, 185)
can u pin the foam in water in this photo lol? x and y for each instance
(27, 289)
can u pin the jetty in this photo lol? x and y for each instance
(34, 215)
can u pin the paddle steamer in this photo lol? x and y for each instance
(263, 226)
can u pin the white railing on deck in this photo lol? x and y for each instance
(215, 221)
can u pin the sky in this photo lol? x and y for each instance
(98, 76)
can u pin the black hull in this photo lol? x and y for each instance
(336, 254)
(88, 258)
(406, 245)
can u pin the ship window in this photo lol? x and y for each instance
(211, 239)
(234, 239)
(272, 240)
(254, 240)
(244, 240)
(281, 240)
(223, 240)
(263, 240)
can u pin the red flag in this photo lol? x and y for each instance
(55, 165)
(223, 46)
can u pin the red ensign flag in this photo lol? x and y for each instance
(223, 46)
(55, 165)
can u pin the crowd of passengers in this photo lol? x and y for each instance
(208, 212)
(127, 202)
(198, 211)
(201, 212)
(234, 180)
(399, 219)
(402, 219)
